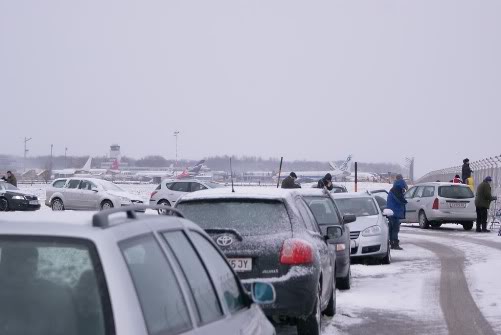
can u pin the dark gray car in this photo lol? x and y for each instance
(326, 213)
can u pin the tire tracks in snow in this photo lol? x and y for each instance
(458, 237)
(461, 313)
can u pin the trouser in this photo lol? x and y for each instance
(482, 218)
(394, 226)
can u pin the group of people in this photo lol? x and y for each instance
(290, 182)
(11, 179)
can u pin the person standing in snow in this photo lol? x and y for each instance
(326, 182)
(290, 181)
(466, 170)
(396, 202)
(483, 201)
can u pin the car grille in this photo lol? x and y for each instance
(354, 235)
(137, 202)
(29, 197)
(373, 248)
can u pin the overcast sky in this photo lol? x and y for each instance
(301, 79)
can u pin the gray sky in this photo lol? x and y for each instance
(302, 79)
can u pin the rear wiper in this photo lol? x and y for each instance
(224, 230)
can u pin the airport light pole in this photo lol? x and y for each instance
(26, 140)
(176, 135)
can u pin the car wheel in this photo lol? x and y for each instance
(106, 204)
(423, 221)
(4, 205)
(387, 259)
(331, 306)
(163, 203)
(345, 282)
(312, 324)
(467, 225)
(437, 225)
(57, 205)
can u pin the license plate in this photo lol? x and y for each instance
(241, 264)
(34, 202)
(457, 205)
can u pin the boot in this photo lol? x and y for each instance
(392, 244)
(484, 228)
(478, 230)
(396, 245)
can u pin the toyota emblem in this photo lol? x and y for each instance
(224, 240)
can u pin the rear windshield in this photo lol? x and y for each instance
(10, 187)
(357, 206)
(108, 186)
(52, 286)
(338, 189)
(455, 192)
(323, 209)
(248, 217)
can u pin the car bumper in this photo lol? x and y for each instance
(295, 296)
(23, 205)
(450, 216)
(373, 246)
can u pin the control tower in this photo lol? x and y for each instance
(115, 152)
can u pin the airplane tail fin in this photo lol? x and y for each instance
(87, 165)
(346, 166)
(333, 166)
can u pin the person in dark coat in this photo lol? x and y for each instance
(466, 170)
(396, 202)
(290, 181)
(483, 201)
(326, 182)
(11, 179)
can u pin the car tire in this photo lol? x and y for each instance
(423, 221)
(106, 204)
(4, 205)
(331, 306)
(386, 260)
(345, 282)
(312, 324)
(57, 205)
(437, 224)
(163, 202)
(468, 225)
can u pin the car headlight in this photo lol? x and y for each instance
(18, 197)
(340, 247)
(125, 200)
(372, 231)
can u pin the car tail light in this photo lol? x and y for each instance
(435, 204)
(153, 194)
(296, 251)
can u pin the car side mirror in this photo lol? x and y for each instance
(349, 218)
(388, 212)
(263, 293)
(334, 232)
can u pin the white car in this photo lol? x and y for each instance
(170, 190)
(87, 194)
(369, 233)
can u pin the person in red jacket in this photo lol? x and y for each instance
(457, 180)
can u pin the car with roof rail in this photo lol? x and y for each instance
(122, 273)
(271, 235)
(326, 213)
(433, 204)
(369, 233)
(14, 199)
(87, 194)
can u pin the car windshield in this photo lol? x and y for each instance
(248, 217)
(214, 185)
(108, 186)
(363, 206)
(455, 192)
(338, 189)
(9, 187)
(323, 209)
(51, 286)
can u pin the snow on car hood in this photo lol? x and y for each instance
(364, 222)
(124, 194)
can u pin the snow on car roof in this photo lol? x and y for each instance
(311, 191)
(349, 195)
(268, 193)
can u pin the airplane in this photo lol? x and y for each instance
(193, 171)
(336, 173)
(349, 175)
(85, 171)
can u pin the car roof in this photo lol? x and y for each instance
(351, 195)
(311, 192)
(267, 193)
(173, 180)
(436, 183)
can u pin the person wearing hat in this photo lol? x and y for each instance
(466, 170)
(396, 202)
(483, 201)
(290, 181)
(457, 180)
(326, 182)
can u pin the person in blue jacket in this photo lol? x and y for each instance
(396, 202)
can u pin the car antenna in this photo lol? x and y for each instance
(231, 171)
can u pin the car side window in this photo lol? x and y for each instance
(224, 278)
(86, 185)
(429, 191)
(158, 290)
(168, 185)
(410, 193)
(308, 217)
(73, 183)
(419, 192)
(181, 187)
(197, 187)
(204, 293)
(59, 183)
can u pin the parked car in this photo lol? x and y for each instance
(13, 199)
(87, 194)
(432, 204)
(271, 235)
(381, 197)
(326, 213)
(169, 191)
(369, 233)
(138, 275)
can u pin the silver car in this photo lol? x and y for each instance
(170, 190)
(432, 204)
(138, 275)
(369, 233)
(87, 194)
